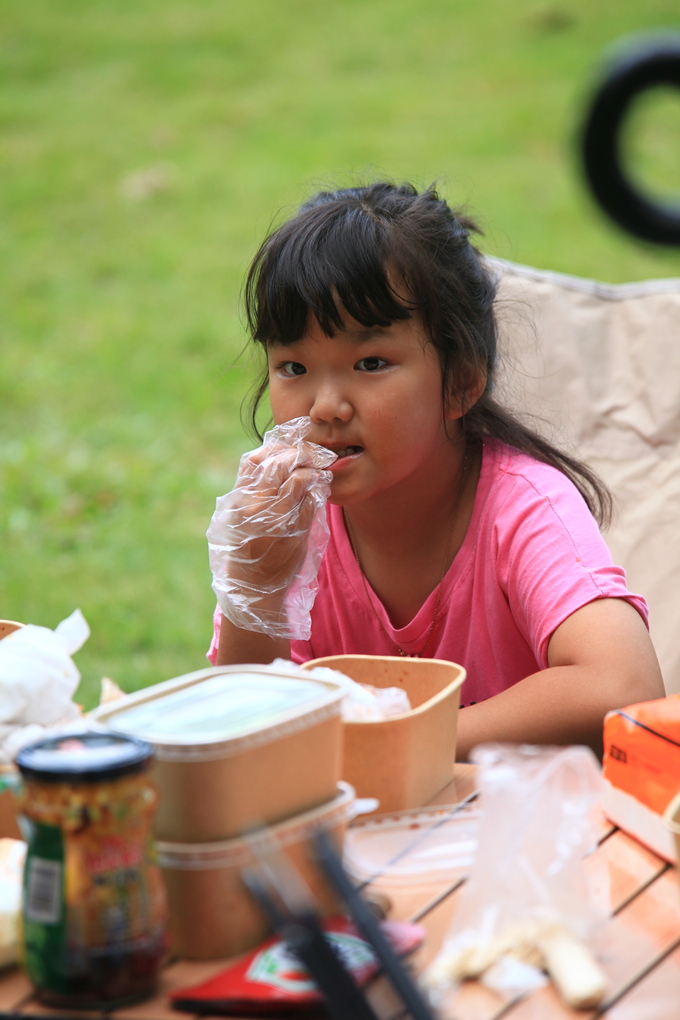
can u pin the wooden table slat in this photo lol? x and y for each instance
(627, 865)
(15, 989)
(655, 997)
(627, 946)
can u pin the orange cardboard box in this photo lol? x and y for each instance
(641, 770)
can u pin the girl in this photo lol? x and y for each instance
(456, 532)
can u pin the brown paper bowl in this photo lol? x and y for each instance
(405, 760)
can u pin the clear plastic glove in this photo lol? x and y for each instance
(268, 535)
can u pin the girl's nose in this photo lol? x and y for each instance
(330, 404)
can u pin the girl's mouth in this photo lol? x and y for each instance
(347, 451)
(344, 453)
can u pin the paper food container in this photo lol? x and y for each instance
(8, 627)
(641, 771)
(212, 913)
(236, 747)
(405, 760)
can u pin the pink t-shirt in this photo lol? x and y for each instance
(531, 557)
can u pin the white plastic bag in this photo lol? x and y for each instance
(38, 679)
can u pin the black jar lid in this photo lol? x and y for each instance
(84, 757)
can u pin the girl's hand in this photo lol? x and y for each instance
(267, 537)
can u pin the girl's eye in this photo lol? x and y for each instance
(292, 368)
(371, 364)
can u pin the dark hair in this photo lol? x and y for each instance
(344, 250)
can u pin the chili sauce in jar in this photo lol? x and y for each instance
(94, 910)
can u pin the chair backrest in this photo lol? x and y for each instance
(599, 364)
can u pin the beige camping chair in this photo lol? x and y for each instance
(600, 364)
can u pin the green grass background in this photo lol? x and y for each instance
(145, 149)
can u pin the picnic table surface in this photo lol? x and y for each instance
(638, 946)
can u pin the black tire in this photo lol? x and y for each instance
(642, 65)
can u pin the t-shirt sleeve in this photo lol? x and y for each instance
(552, 558)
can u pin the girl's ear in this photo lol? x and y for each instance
(466, 396)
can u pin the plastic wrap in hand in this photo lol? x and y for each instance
(268, 535)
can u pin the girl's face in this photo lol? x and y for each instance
(375, 398)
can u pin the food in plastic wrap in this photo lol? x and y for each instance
(528, 897)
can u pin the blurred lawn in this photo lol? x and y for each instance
(145, 149)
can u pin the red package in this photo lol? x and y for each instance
(271, 981)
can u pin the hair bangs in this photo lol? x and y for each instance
(331, 266)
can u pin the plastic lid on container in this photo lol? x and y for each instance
(220, 707)
(425, 845)
(84, 757)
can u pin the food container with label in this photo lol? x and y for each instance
(406, 759)
(236, 746)
(94, 907)
(212, 913)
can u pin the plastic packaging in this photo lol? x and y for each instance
(435, 844)
(271, 981)
(39, 679)
(528, 895)
(268, 535)
(94, 911)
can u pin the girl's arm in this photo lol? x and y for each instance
(600, 658)
(238, 645)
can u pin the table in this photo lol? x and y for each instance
(639, 947)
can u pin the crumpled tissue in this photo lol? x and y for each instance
(38, 679)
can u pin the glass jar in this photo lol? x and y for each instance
(94, 909)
